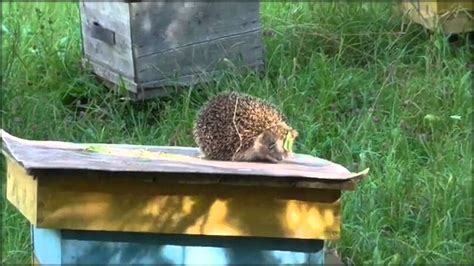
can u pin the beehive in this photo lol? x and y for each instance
(148, 46)
(451, 16)
(123, 204)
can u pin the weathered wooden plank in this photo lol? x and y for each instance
(207, 179)
(112, 78)
(128, 204)
(157, 44)
(203, 76)
(108, 16)
(100, 202)
(21, 189)
(240, 50)
(160, 26)
(160, 87)
(130, 158)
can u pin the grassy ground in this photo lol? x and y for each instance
(361, 93)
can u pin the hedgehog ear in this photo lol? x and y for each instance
(267, 136)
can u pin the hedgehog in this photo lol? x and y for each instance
(235, 126)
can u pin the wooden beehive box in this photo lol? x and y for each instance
(148, 46)
(451, 16)
(153, 205)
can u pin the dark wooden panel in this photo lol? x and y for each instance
(112, 78)
(236, 51)
(114, 46)
(154, 88)
(161, 26)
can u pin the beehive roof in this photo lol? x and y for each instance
(182, 162)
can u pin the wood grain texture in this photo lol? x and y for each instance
(240, 51)
(53, 155)
(162, 26)
(161, 44)
(158, 88)
(114, 16)
(21, 189)
(128, 204)
(111, 78)
(96, 203)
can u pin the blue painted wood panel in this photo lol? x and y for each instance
(79, 247)
(47, 245)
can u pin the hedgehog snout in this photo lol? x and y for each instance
(278, 157)
(274, 158)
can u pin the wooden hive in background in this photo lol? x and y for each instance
(148, 46)
(452, 16)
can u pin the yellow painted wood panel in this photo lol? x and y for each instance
(91, 202)
(462, 22)
(21, 189)
(433, 13)
(428, 8)
(438, 7)
(444, 6)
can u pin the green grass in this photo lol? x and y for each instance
(360, 92)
